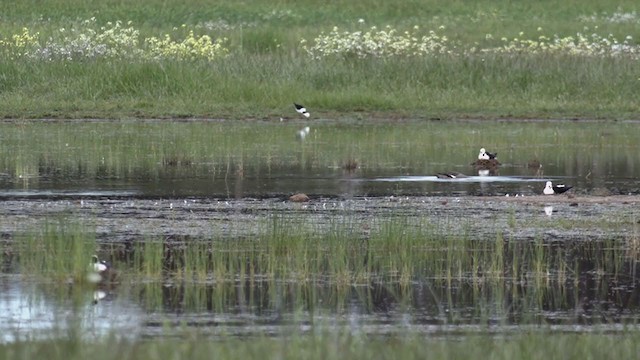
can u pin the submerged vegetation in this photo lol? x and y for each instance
(253, 59)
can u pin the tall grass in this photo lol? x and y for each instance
(242, 86)
(267, 69)
(338, 345)
(61, 250)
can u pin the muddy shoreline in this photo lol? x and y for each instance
(122, 220)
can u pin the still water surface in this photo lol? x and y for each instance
(261, 160)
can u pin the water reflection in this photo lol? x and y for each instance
(548, 210)
(262, 160)
(36, 311)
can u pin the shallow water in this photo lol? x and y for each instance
(208, 159)
(188, 183)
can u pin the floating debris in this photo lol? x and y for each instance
(300, 197)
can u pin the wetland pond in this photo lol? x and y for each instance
(196, 219)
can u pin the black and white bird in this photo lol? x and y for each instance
(451, 175)
(99, 271)
(98, 265)
(301, 110)
(551, 189)
(484, 155)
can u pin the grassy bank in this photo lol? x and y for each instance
(330, 346)
(264, 86)
(487, 60)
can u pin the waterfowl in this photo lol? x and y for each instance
(101, 272)
(98, 265)
(551, 189)
(451, 175)
(484, 155)
(301, 110)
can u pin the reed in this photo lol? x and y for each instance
(297, 264)
(60, 250)
(394, 249)
(149, 259)
(304, 270)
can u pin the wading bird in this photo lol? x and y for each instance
(101, 272)
(301, 110)
(551, 189)
(98, 265)
(451, 175)
(484, 155)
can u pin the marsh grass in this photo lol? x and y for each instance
(61, 250)
(340, 344)
(308, 273)
(267, 69)
(149, 259)
(291, 253)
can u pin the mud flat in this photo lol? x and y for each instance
(131, 219)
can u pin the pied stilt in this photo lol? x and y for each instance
(301, 110)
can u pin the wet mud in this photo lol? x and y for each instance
(130, 219)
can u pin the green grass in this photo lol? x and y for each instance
(59, 250)
(267, 69)
(341, 345)
(255, 86)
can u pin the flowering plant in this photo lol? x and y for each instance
(114, 40)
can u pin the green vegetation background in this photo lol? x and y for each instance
(267, 69)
